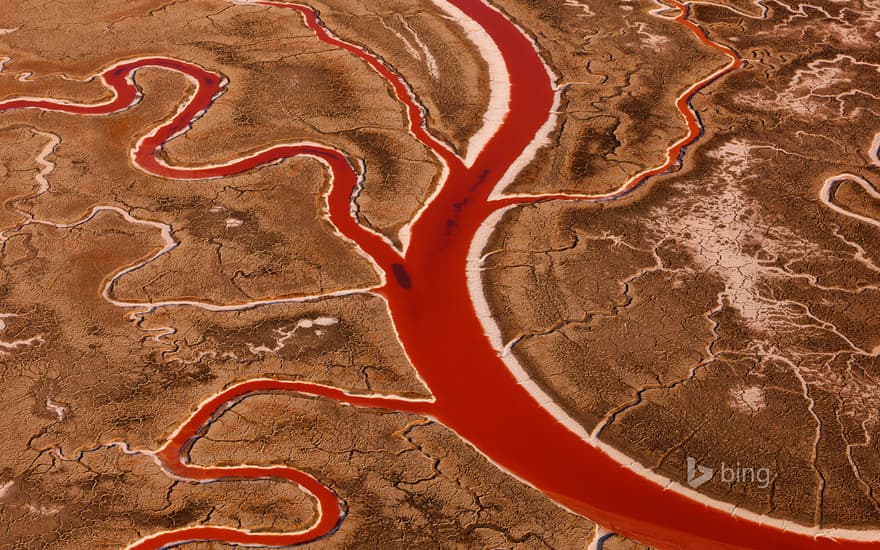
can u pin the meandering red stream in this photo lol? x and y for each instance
(427, 291)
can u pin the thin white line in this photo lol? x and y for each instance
(499, 79)
(831, 185)
(874, 150)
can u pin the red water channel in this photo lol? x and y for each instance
(427, 292)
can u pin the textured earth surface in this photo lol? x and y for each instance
(725, 311)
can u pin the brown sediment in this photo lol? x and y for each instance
(719, 258)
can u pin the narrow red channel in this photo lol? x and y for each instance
(427, 291)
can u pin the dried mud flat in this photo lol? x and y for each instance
(727, 312)
(724, 311)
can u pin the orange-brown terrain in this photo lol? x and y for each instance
(676, 265)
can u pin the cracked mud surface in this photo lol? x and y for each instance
(442, 492)
(726, 313)
(80, 372)
(725, 310)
